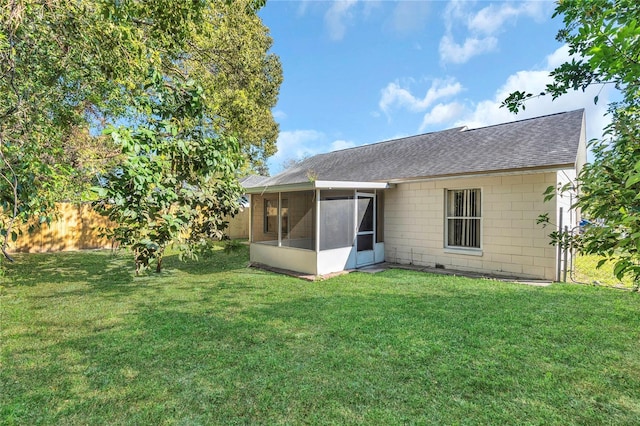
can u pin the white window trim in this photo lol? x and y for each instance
(464, 250)
(472, 251)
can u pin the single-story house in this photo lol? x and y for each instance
(460, 199)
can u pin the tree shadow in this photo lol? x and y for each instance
(109, 269)
(98, 268)
(213, 262)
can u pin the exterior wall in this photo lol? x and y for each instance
(512, 243)
(308, 261)
(239, 225)
(570, 217)
(293, 259)
(336, 260)
(566, 218)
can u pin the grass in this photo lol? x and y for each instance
(83, 341)
(586, 271)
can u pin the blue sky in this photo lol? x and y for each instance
(359, 72)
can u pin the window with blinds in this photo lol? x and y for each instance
(463, 218)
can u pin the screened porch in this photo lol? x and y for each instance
(318, 231)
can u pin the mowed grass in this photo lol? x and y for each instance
(83, 341)
(587, 272)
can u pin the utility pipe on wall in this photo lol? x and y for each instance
(559, 251)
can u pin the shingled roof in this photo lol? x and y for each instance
(551, 141)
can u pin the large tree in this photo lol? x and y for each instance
(71, 68)
(604, 37)
(241, 82)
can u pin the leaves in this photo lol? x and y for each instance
(604, 38)
(177, 182)
(180, 76)
(516, 101)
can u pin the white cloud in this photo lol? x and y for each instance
(442, 113)
(295, 144)
(409, 16)
(492, 18)
(488, 112)
(482, 26)
(279, 115)
(337, 17)
(557, 58)
(455, 11)
(341, 144)
(396, 96)
(455, 53)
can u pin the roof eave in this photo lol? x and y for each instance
(317, 184)
(513, 171)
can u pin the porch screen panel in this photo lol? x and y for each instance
(336, 221)
(270, 216)
(264, 211)
(365, 214)
(284, 218)
(463, 218)
(300, 220)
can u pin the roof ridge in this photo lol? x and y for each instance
(524, 119)
(463, 128)
(453, 129)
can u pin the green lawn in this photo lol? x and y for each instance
(587, 272)
(83, 341)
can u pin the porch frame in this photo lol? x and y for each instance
(317, 261)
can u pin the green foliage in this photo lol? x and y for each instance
(241, 80)
(610, 191)
(177, 182)
(68, 70)
(604, 37)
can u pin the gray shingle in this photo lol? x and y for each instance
(253, 180)
(548, 141)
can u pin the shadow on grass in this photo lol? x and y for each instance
(217, 261)
(436, 354)
(104, 269)
(98, 267)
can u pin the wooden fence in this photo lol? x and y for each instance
(77, 227)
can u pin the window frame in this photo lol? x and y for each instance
(476, 250)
